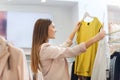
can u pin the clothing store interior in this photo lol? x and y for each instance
(101, 61)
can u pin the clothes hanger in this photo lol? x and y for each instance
(86, 14)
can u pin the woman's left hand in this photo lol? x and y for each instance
(77, 26)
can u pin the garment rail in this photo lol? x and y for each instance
(113, 32)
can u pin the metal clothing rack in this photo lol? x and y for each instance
(117, 48)
(113, 32)
(115, 40)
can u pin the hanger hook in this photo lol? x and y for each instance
(85, 7)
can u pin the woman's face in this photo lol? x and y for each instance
(51, 31)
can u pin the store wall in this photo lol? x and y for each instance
(113, 13)
(65, 18)
(62, 17)
(75, 15)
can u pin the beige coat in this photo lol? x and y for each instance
(53, 60)
(12, 62)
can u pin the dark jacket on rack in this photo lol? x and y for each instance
(116, 69)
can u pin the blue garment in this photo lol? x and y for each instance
(117, 66)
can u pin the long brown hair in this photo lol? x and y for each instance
(40, 36)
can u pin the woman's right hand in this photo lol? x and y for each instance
(96, 38)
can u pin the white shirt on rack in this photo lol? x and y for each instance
(102, 61)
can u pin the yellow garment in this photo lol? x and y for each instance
(84, 62)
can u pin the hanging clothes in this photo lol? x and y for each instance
(102, 61)
(84, 62)
(115, 66)
(13, 64)
(112, 28)
(73, 76)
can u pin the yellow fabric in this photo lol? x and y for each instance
(84, 62)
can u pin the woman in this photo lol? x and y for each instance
(51, 60)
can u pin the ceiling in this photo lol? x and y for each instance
(38, 2)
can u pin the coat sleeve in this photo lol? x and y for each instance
(67, 43)
(52, 52)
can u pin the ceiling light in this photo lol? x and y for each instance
(43, 1)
